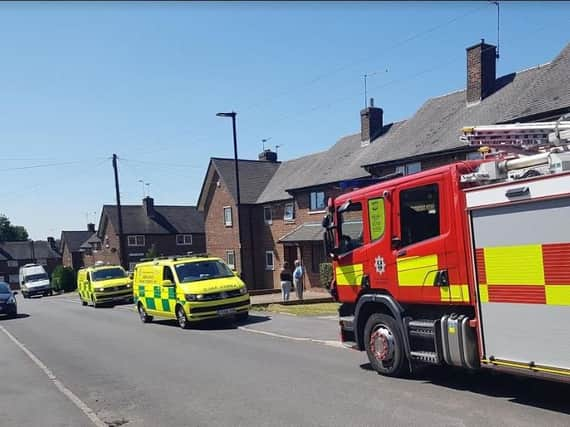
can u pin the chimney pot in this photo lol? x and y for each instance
(91, 227)
(372, 102)
(268, 156)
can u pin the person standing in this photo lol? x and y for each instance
(286, 278)
(298, 276)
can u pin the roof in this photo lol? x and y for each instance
(167, 219)
(307, 232)
(23, 250)
(74, 239)
(94, 238)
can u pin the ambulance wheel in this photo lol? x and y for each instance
(384, 345)
(145, 318)
(181, 317)
(93, 303)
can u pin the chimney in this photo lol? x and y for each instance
(91, 227)
(371, 122)
(268, 156)
(148, 204)
(51, 242)
(481, 71)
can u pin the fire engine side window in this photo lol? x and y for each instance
(351, 231)
(376, 218)
(419, 214)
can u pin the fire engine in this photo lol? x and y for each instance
(465, 265)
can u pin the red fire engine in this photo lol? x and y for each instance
(464, 265)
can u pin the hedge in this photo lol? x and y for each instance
(325, 274)
(63, 279)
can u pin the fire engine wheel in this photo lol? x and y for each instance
(384, 345)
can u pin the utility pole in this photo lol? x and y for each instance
(120, 215)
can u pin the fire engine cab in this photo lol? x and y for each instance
(464, 265)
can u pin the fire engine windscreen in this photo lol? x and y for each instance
(350, 227)
(419, 214)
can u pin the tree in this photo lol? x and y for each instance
(11, 232)
(63, 279)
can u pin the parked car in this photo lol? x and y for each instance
(34, 281)
(8, 305)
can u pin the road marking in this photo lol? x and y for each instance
(61, 387)
(329, 343)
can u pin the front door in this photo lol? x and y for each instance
(290, 255)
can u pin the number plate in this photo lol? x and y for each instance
(226, 311)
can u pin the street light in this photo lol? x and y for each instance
(238, 199)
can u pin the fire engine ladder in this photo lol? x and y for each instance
(524, 136)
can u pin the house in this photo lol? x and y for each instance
(286, 200)
(14, 254)
(70, 246)
(161, 229)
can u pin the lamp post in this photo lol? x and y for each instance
(238, 199)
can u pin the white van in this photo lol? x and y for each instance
(34, 281)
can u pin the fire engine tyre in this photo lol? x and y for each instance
(145, 318)
(181, 317)
(384, 345)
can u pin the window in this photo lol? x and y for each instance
(167, 274)
(317, 201)
(419, 214)
(267, 214)
(269, 260)
(12, 263)
(231, 259)
(228, 216)
(351, 227)
(409, 168)
(108, 273)
(202, 270)
(289, 212)
(135, 240)
(376, 218)
(183, 239)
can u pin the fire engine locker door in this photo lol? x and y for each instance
(422, 232)
(351, 274)
(522, 254)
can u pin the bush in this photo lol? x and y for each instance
(325, 274)
(63, 279)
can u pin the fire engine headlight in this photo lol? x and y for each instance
(243, 290)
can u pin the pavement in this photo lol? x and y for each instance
(308, 296)
(67, 365)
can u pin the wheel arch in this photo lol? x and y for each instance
(378, 303)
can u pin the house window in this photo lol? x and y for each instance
(267, 214)
(12, 263)
(269, 260)
(409, 168)
(317, 200)
(419, 214)
(183, 239)
(289, 212)
(228, 216)
(135, 240)
(231, 259)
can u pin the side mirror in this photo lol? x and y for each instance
(167, 284)
(396, 243)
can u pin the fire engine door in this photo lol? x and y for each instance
(419, 243)
(350, 271)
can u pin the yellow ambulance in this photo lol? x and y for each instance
(189, 289)
(104, 284)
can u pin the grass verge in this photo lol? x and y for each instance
(321, 309)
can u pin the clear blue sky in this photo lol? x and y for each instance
(80, 81)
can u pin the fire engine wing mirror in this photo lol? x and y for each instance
(344, 206)
(396, 243)
(326, 221)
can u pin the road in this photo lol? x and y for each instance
(106, 361)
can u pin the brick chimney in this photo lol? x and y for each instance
(481, 71)
(91, 227)
(268, 156)
(51, 242)
(148, 204)
(371, 122)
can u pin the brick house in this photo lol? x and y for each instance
(13, 255)
(281, 218)
(168, 230)
(70, 246)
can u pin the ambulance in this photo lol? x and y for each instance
(104, 284)
(189, 289)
